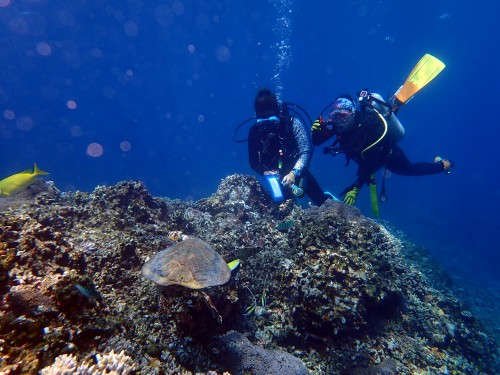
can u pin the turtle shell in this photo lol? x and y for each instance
(191, 263)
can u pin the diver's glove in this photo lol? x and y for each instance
(317, 124)
(350, 197)
(447, 164)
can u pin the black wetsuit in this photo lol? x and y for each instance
(283, 148)
(363, 143)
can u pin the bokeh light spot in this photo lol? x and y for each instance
(178, 7)
(28, 23)
(71, 104)
(9, 114)
(66, 18)
(131, 29)
(95, 150)
(43, 49)
(164, 15)
(125, 146)
(24, 123)
(96, 53)
(222, 54)
(4, 3)
(191, 48)
(201, 118)
(76, 131)
(202, 22)
(108, 91)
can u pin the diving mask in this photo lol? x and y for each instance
(341, 116)
(343, 120)
(268, 124)
(343, 112)
(274, 120)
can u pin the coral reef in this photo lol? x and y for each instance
(340, 293)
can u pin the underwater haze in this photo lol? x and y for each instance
(97, 92)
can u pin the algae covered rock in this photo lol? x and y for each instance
(191, 263)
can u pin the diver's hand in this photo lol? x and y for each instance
(350, 197)
(447, 164)
(289, 179)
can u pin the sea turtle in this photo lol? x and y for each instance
(191, 263)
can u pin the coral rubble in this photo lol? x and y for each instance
(340, 294)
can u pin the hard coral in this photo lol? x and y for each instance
(237, 193)
(107, 364)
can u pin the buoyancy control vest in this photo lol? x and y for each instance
(374, 101)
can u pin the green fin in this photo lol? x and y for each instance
(373, 196)
(425, 71)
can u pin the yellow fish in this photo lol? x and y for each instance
(19, 181)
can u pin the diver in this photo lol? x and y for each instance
(367, 130)
(279, 145)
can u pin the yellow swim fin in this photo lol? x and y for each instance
(425, 71)
(373, 196)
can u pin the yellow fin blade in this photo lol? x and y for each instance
(373, 196)
(425, 71)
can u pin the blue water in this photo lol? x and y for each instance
(161, 85)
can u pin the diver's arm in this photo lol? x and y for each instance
(304, 145)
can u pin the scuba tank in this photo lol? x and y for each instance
(287, 110)
(395, 129)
